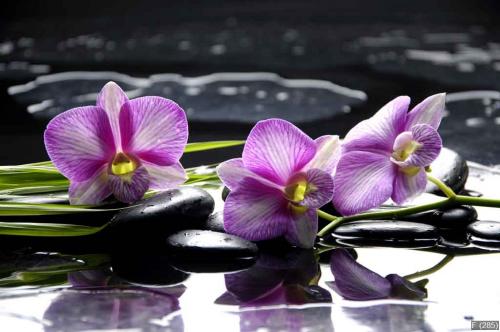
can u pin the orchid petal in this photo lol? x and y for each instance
(404, 289)
(327, 154)
(165, 177)
(154, 129)
(232, 172)
(255, 211)
(354, 281)
(79, 142)
(91, 191)
(363, 181)
(408, 186)
(380, 131)
(430, 111)
(111, 99)
(276, 149)
(302, 228)
(129, 188)
(320, 188)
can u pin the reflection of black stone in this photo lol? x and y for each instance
(394, 243)
(385, 230)
(451, 168)
(162, 214)
(203, 245)
(486, 244)
(110, 309)
(190, 266)
(146, 269)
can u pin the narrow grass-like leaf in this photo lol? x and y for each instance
(47, 229)
(203, 146)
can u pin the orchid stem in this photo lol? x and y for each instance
(442, 186)
(435, 268)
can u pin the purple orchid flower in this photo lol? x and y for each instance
(120, 147)
(277, 185)
(385, 156)
(355, 282)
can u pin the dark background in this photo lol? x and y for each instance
(326, 29)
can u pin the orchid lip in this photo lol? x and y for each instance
(409, 148)
(123, 164)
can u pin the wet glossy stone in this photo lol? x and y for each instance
(455, 217)
(205, 245)
(225, 193)
(407, 244)
(215, 222)
(385, 230)
(451, 168)
(162, 214)
(485, 229)
(486, 244)
(190, 266)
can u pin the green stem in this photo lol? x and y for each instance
(435, 268)
(442, 186)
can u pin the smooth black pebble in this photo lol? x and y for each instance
(215, 222)
(486, 244)
(385, 230)
(225, 193)
(451, 218)
(202, 245)
(485, 229)
(451, 168)
(165, 213)
(393, 243)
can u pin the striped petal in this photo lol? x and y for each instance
(255, 211)
(408, 186)
(91, 191)
(154, 129)
(320, 188)
(380, 131)
(111, 99)
(165, 177)
(430, 111)
(276, 149)
(327, 154)
(232, 172)
(131, 187)
(429, 146)
(363, 181)
(79, 142)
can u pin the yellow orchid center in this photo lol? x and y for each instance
(122, 164)
(403, 153)
(296, 192)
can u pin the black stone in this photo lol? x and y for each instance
(190, 266)
(485, 229)
(165, 213)
(450, 168)
(485, 244)
(385, 230)
(202, 245)
(456, 217)
(215, 222)
(225, 193)
(407, 244)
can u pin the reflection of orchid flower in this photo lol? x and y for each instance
(277, 185)
(355, 282)
(120, 146)
(276, 280)
(385, 156)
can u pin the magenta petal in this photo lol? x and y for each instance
(91, 191)
(232, 172)
(255, 211)
(302, 228)
(320, 188)
(363, 181)
(154, 129)
(276, 149)
(430, 111)
(379, 131)
(408, 186)
(130, 188)
(111, 99)
(165, 177)
(431, 145)
(327, 154)
(79, 142)
(354, 281)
